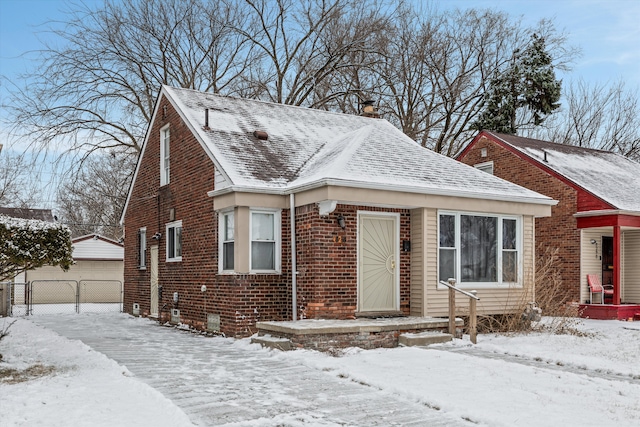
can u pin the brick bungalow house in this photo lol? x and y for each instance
(231, 195)
(596, 223)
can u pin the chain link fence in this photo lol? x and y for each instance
(62, 296)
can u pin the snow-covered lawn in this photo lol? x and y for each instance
(539, 379)
(84, 389)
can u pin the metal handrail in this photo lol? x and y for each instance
(469, 294)
(473, 320)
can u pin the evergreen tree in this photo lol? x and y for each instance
(30, 243)
(528, 86)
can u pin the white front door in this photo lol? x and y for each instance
(153, 272)
(378, 262)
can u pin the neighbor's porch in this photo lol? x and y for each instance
(610, 249)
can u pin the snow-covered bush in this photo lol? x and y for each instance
(29, 243)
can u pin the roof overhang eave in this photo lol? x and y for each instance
(293, 189)
(607, 212)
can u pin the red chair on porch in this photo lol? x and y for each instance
(596, 287)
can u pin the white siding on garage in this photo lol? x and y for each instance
(97, 249)
(81, 270)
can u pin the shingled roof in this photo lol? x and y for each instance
(26, 213)
(308, 147)
(611, 177)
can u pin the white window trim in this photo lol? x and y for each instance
(169, 225)
(484, 166)
(142, 248)
(484, 285)
(221, 230)
(165, 178)
(277, 215)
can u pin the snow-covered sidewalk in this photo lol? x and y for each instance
(530, 380)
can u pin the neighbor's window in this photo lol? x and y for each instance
(174, 241)
(479, 249)
(142, 248)
(485, 167)
(165, 138)
(227, 241)
(265, 240)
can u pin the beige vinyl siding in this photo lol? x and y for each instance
(590, 261)
(97, 249)
(81, 270)
(631, 267)
(492, 301)
(105, 282)
(417, 262)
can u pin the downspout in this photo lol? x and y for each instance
(294, 270)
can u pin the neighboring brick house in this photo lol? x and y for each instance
(377, 219)
(596, 223)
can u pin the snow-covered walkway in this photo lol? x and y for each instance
(218, 381)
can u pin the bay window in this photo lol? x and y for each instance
(227, 241)
(265, 230)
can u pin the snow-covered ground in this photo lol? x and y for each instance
(590, 379)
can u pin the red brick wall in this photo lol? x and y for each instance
(327, 262)
(558, 231)
(327, 283)
(240, 300)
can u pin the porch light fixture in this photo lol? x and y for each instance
(595, 242)
(341, 222)
(157, 236)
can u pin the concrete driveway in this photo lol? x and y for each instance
(224, 382)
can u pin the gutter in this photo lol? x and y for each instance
(294, 269)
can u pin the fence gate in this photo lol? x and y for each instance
(14, 298)
(67, 296)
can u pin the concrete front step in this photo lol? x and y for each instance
(423, 338)
(272, 342)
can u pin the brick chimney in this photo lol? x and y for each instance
(369, 110)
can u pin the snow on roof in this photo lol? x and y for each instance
(308, 146)
(608, 176)
(27, 213)
(97, 247)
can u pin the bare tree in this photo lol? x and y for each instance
(600, 116)
(18, 188)
(437, 67)
(92, 201)
(302, 45)
(97, 84)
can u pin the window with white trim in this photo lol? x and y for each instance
(479, 249)
(265, 240)
(165, 139)
(227, 241)
(142, 248)
(485, 167)
(174, 241)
